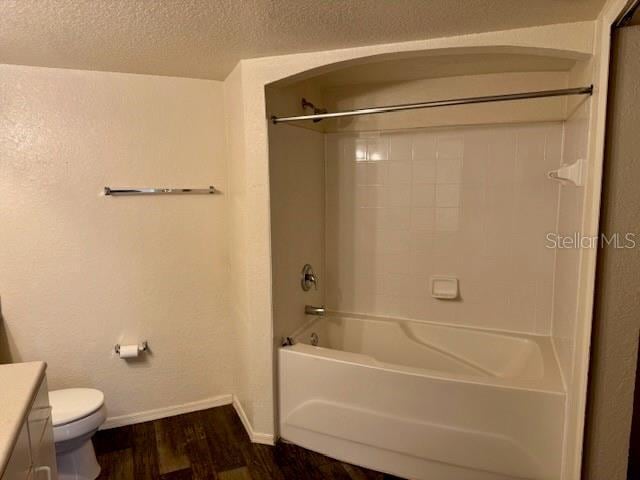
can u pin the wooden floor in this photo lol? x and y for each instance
(210, 444)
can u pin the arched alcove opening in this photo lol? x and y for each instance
(430, 219)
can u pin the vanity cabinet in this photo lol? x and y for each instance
(33, 456)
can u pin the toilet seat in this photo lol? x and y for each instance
(71, 404)
(76, 412)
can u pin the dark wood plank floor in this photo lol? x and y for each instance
(210, 444)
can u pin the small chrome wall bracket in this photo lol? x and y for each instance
(143, 347)
(571, 174)
(308, 278)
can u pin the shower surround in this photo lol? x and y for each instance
(470, 386)
(467, 202)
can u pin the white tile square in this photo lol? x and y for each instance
(393, 218)
(421, 263)
(421, 242)
(423, 218)
(362, 173)
(423, 195)
(447, 195)
(378, 148)
(529, 160)
(389, 305)
(424, 171)
(398, 285)
(476, 154)
(501, 160)
(372, 173)
(400, 147)
(449, 170)
(447, 219)
(474, 170)
(503, 141)
(424, 145)
(392, 241)
(553, 144)
(496, 243)
(447, 244)
(399, 173)
(450, 146)
(394, 262)
(397, 197)
(356, 150)
(371, 196)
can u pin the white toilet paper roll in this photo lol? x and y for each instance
(128, 351)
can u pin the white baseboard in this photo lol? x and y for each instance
(256, 437)
(147, 416)
(113, 422)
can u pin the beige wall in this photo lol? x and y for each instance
(296, 173)
(237, 237)
(469, 202)
(250, 281)
(364, 96)
(80, 271)
(616, 322)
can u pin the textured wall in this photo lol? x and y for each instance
(363, 96)
(239, 277)
(296, 173)
(616, 321)
(82, 272)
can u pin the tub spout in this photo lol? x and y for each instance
(311, 310)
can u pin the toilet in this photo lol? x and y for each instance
(76, 413)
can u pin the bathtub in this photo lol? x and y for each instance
(423, 400)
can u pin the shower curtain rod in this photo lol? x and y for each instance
(439, 103)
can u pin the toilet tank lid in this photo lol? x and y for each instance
(72, 404)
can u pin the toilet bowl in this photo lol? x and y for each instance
(76, 413)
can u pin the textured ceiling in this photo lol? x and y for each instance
(206, 38)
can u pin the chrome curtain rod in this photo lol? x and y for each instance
(439, 103)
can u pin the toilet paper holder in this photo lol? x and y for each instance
(143, 347)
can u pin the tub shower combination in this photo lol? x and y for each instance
(415, 397)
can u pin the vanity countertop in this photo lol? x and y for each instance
(19, 384)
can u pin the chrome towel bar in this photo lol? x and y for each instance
(114, 192)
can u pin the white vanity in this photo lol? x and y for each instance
(27, 450)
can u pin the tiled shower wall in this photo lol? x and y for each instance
(473, 203)
(567, 267)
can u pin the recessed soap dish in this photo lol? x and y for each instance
(444, 288)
